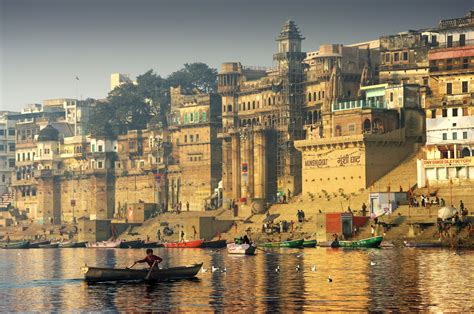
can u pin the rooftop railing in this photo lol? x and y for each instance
(359, 103)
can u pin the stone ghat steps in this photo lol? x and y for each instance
(172, 219)
(460, 191)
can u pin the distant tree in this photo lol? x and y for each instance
(133, 106)
(195, 76)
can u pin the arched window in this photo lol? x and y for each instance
(258, 104)
(367, 125)
(186, 118)
(196, 117)
(253, 104)
(378, 126)
(269, 101)
(314, 96)
(204, 116)
(248, 105)
(309, 96)
(338, 130)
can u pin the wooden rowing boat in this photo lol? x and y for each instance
(98, 274)
(49, 246)
(364, 243)
(242, 249)
(284, 244)
(132, 244)
(16, 245)
(217, 244)
(309, 243)
(104, 244)
(184, 245)
(35, 245)
(72, 244)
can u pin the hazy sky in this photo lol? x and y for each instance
(44, 44)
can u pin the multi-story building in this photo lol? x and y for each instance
(362, 139)
(195, 165)
(449, 147)
(262, 116)
(7, 150)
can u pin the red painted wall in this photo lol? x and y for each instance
(333, 223)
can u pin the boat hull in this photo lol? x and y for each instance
(16, 245)
(96, 274)
(49, 246)
(72, 244)
(284, 244)
(214, 244)
(309, 243)
(373, 242)
(241, 249)
(35, 245)
(184, 245)
(104, 244)
(131, 244)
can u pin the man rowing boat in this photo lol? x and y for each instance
(150, 259)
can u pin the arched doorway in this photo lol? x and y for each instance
(367, 126)
(465, 152)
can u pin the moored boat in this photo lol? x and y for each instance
(216, 244)
(36, 244)
(49, 246)
(309, 243)
(422, 244)
(151, 245)
(16, 245)
(184, 244)
(132, 244)
(104, 244)
(242, 249)
(72, 244)
(97, 274)
(284, 244)
(372, 242)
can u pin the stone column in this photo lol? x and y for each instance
(236, 167)
(251, 165)
(260, 165)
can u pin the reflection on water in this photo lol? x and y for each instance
(401, 280)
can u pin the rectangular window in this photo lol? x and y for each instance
(465, 63)
(2, 148)
(11, 132)
(444, 112)
(434, 40)
(185, 138)
(455, 136)
(464, 87)
(387, 58)
(462, 40)
(2, 132)
(191, 138)
(351, 128)
(433, 113)
(449, 88)
(396, 57)
(100, 148)
(445, 136)
(197, 137)
(450, 41)
(11, 147)
(391, 97)
(464, 135)
(405, 56)
(93, 148)
(99, 164)
(455, 112)
(11, 162)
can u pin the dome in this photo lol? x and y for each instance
(48, 134)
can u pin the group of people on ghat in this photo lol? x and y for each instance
(455, 224)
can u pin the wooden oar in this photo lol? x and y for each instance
(149, 272)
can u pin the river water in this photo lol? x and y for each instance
(50, 280)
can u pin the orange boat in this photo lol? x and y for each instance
(185, 244)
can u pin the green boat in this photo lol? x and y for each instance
(364, 243)
(285, 244)
(16, 245)
(309, 243)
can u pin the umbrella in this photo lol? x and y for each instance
(446, 212)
